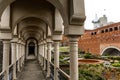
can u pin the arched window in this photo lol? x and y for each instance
(102, 31)
(111, 29)
(106, 30)
(115, 28)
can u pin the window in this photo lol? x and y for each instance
(106, 30)
(95, 33)
(110, 29)
(102, 31)
(91, 33)
(115, 28)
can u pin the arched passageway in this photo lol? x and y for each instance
(27, 28)
(111, 52)
(31, 48)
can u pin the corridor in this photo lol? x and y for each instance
(36, 27)
(31, 71)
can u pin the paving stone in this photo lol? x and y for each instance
(31, 71)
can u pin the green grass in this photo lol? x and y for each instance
(64, 49)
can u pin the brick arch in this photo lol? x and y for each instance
(109, 48)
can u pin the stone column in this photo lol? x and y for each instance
(22, 46)
(73, 58)
(56, 38)
(6, 50)
(18, 50)
(23, 53)
(39, 54)
(26, 51)
(42, 54)
(14, 59)
(48, 57)
(56, 59)
(20, 55)
(35, 50)
(45, 57)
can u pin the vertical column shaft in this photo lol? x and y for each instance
(14, 59)
(45, 57)
(49, 58)
(36, 50)
(26, 51)
(39, 54)
(6, 50)
(56, 59)
(42, 55)
(21, 55)
(73, 58)
(18, 65)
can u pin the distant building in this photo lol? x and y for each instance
(102, 41)
(102, 21)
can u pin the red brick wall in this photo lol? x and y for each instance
(94, 41)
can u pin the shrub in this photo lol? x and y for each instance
(116, 64)
(88, 55)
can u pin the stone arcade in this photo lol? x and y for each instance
(40, 23)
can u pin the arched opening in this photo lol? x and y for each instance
(111, 52)
(31, 49)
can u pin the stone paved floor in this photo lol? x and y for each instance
(31, 71)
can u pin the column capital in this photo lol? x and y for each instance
(73, 38)
(49, 40)
(57, 37)
(14, 40)
(5, 34)
(6, 41)
(74, 30)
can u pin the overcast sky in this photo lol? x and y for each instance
(111, 8)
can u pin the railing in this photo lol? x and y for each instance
(62, 75)
(52, 71)
(11, 72)
(2, 75)
(17, 66)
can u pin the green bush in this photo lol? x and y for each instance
(88, 75)
(116, 64)
(88, 55)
